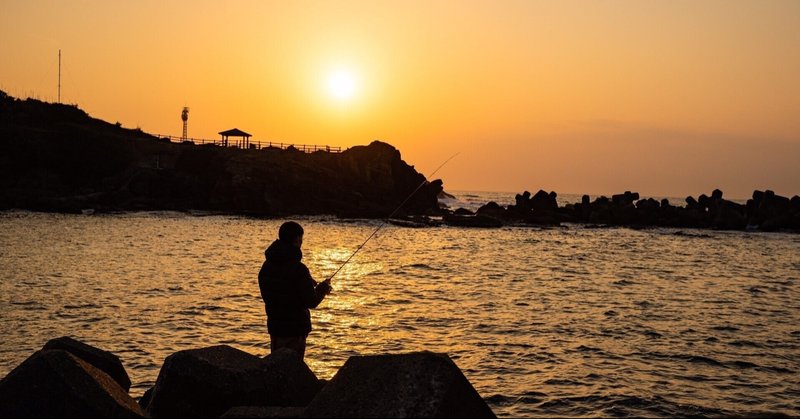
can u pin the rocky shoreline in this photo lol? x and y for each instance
(56, 158)
(765, 211)
(68, 378)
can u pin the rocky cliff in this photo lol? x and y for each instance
(57, 158)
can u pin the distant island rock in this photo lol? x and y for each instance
(57, 158)
(765, 211)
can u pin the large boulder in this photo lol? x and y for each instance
(770, 212)
(523, 201)
(491, 209)
(729, 215)
(421, 384)
(290, 381)
(55, 383)
(105, 361)
(543, 201)
(210, 381)
(625, 199)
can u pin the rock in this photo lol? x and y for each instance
(491, 209)
(290, 381)
(582, 211)
(55, 383)
(624, 215)
(210, 381)
(729, 215)
(144, 401)
(599, 211)
(716, 195)
(523, 201)
(264, 412)
(421, 384)
(778, 201)
(770, 212)
(704, 201)
(207, 382)
(648, 205)
(105, 361)
(520, 209)
(479, 221)
(463, 211)
(625, 199)
(543, 219)
(543, 201)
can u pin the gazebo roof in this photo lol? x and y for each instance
(236, 132)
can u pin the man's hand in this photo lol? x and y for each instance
(324, 287)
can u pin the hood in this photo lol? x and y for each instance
(280, 252)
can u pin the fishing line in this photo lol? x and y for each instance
(383, 222)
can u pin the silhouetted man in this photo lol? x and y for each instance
(288, 290)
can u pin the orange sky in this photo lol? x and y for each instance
(666, 98)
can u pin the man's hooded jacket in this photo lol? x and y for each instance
(288, 290)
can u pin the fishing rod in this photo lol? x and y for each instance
(383, 222)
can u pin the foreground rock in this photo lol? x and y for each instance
(55, 383)
(264, 412)
(289, 379)
(422, 384)
(103, 360)
(221, 380)
(210, 381)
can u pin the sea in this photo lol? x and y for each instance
(569, 321)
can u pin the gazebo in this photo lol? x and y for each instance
(244, 142)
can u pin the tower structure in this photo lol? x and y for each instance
(185, 119)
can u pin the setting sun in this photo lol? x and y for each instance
(342, 85)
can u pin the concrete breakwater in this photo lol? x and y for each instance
(765, 211)
(70, 378)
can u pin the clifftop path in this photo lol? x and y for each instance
(57, 158)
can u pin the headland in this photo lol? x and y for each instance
(57, 158)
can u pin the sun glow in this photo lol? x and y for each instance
(342, 85)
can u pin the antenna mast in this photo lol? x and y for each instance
(59, 75)
(185, 119)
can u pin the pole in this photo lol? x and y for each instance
(59, 75)
(383, 222)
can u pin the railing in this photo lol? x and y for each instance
(249, 144)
